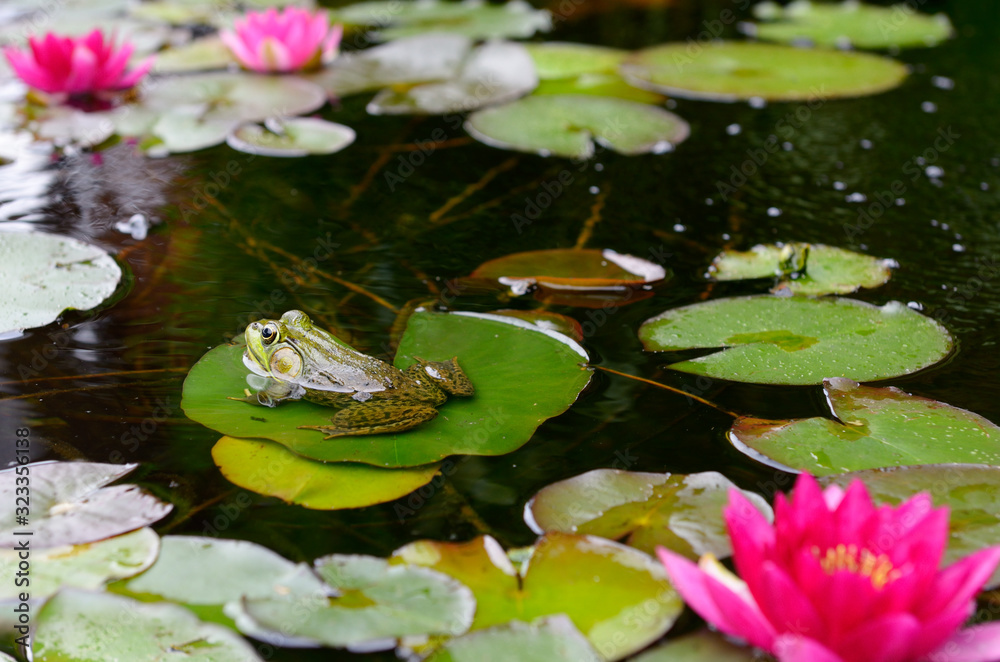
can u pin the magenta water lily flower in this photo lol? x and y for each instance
(71, 65)
(837, 579)
(290, 40)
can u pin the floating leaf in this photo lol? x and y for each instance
(70, 505)
(297, 136)
(643, 510)
(569, 125)
(68, 126)
(798, 340)
(699, 646)
(598, 85)
(552, 639)
(87, 566)
(846, 24)
(272, 470)
(812, 269)
(731, 71)
(546, 320)
(540, 377)
(79, 626)
(45, 274)
(626, 603)
(971, 492)
(473, 18)
(368, 604)
(556, 59)
(873, 427)
(203, 54)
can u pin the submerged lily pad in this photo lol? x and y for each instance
(296, 136)
(970, 491)
(873, 427)
(45, 274)
(540, 377)
(476, 19)
(849, 23)
(700, 646)
(626, 603)
(270, 469)
(552, 639)
(643, 510)
(569, 125)
(812, 269)
(70, 505)
(731, 71)
(798, 340)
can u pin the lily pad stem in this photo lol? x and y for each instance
(670, 388)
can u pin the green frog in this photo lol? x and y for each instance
(301, 361)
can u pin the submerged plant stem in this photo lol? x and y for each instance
(594, 218)
(670, 388)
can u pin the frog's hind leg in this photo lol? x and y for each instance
(448, 375)
(374, 418)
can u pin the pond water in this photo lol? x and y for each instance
(414, 204)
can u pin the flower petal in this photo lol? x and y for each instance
(956, 585)
(976, 644)
(795, 648)
(784, 605)
(886, 639)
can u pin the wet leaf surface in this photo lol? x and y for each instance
(599, 85)
(570, 269)
(296, 136)
(559, 59)
(699, 646)
(471, 18)
(552, 639)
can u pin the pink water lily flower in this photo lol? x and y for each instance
(76, 65)
(291, 40)
(837, 579)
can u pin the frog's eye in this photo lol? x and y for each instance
(269, 333)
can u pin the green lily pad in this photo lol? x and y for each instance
(552, 639)
(798, 340)
(70, 505)
(68, 126)
(540, 377)
(598, 85)
(475, 19)
(270, 469)
(87, 566)
(80, 626)
(559, 59)
(46, 274)
(546, 320)
(733, 71)
(367, 604)
(296, 136)
(621, 584)
(849, 23)
(873, 427)
(203, 54)
(811, 269)
(698, 647)
(970, 491)
(644, 510)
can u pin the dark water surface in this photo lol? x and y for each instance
(106, 386)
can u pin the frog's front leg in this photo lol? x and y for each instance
(448, 375)
(374, 417)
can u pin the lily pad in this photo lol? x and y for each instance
(87, 566)
(559, 59)
(546, 320)
(270, 469)
(811, 269)
(203, 54)
(850, 23)
(733, 71)
(70, 505)
(80, 626)
(368, 604)
(297, 136)
(970, 491)
(475, 19)
(798, 340)
(626, 603)
(45, 274)
(873, 427)
(698, 647)
(540, 377)
(68, 126)
(552, 639)
(569, 125)
(643, 510)
(599, 85)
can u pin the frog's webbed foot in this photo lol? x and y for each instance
(448, 375)
(374, 418)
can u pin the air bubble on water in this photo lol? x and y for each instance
(773, 212)
(866, 144)
(983, 186)
(679, 227)
(787, 146)
(725, 236)
(900, 202)
(709, 201)
(928, 107)
(934, 222)
(958, 236)
(934, 172)
(945, 226)
(942, 82)
(734, 129)
(599, 167)
(594, 190)
(958, 248)
(757, 102)
(840, 186)
(856, 197)
(915, 305)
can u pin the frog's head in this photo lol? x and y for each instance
(275, 348)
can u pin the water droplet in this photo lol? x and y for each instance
(725, 236)
(709, 201)
(934, 222)
(787, 146)
(679, 227)
(856, 197)
(757, 102)
(773, 212)
(958, 248)
(915, 305)
(945, 226)
(594, 190)
(866, 144)
(599, 167)
(928, 107)
(734, 129)
(934, 171)
(840, 186)
(900, 202)
(983, 186)
(942, 82)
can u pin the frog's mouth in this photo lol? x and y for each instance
(253, 363)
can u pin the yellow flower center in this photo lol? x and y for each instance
(876, 567)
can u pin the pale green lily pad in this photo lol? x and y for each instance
(45, 274)
(644, 510)
(798, 340)
(296, 136)
(540, 377)
(79, 626)
(367, 604)
(88, 566)
(733, 71)
(873, 427)
(849, 23)
(271, 469)
(621, 583)
(569, 125)
(476, 19)
(598, 85)
(552, 639)
(700, 646)
(70, 505)
(188, 132)
(203, 54)
(811, 269)
(970, 491)
(559, 59)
